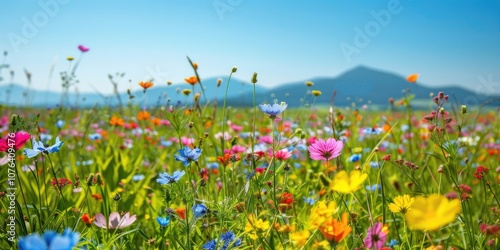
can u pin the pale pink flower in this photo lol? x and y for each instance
(115, 222)
(325, 150)
(282, 154)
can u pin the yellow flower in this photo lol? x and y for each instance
(348, 183)
(324, 244)
(316, 93)
(402, 203)
(255, 227)
(321, 212)
(431, 213)
(70, 58)
(300, 238)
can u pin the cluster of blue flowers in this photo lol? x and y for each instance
(228, 239)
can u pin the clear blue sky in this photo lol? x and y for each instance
(447, 42)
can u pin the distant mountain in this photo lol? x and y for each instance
(360, 85)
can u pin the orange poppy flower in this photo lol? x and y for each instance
(116, 121)
(181, 212)
(156, 121)
(412, 78)
(98, 197)
(143, 115)
(146, 85)
(333, 229)
(191, 80)
(87, 219)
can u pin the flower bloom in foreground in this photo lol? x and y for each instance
(321, 212)
(255, 227)
(281, 155)
(50, 240)
(191, 80)
(229, 241)
(432, 212)
(20, 138)
(115, 221)
(187, 155)
(402, 203)
(146, 85)
(165, 178)
(87, 219)
(348, 183)
(412, 78)
(335, 230)
(38, 147)
(481, 171)
(325, 150)
(199, 210)
(273, 110)
(163, 221)
(83, 48)
(376, 236)
(300, 237)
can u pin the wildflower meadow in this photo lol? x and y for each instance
(193, 173)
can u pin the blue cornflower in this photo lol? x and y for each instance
(95, 136)
(199, 210)
(273, 110)
(355, 158)
(211, 245)
(392, 243)
(50, 240)
(138, 177)
(373, 187)
(163, 221)
(230, 239)
(38, 147)
(309, 200)
(60, 123)
(187, 155)
(165, 178)
(374, 164)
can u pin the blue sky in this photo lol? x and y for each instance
(446, 42)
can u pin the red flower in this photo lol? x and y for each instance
(481, 171)
(87, 219)
(61, 182)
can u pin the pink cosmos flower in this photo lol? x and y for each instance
(83, 48)
(376, 236)
(281, 155)
(115, 222)
(20, 138)
(325, 150)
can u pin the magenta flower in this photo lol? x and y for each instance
(376, 236)
(325, 150)
(83, 48)
(17, 141)
(115, 222)
(281, 155)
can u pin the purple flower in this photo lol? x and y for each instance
(376, 236)
(83, 48)
(325, 150)
(115, 221)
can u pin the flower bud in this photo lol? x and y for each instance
(464, 109)
(219, 81)
(254, 78)
(441, 111)
(309, 84)
(234, 69)
(90, 180)
(316, 93)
